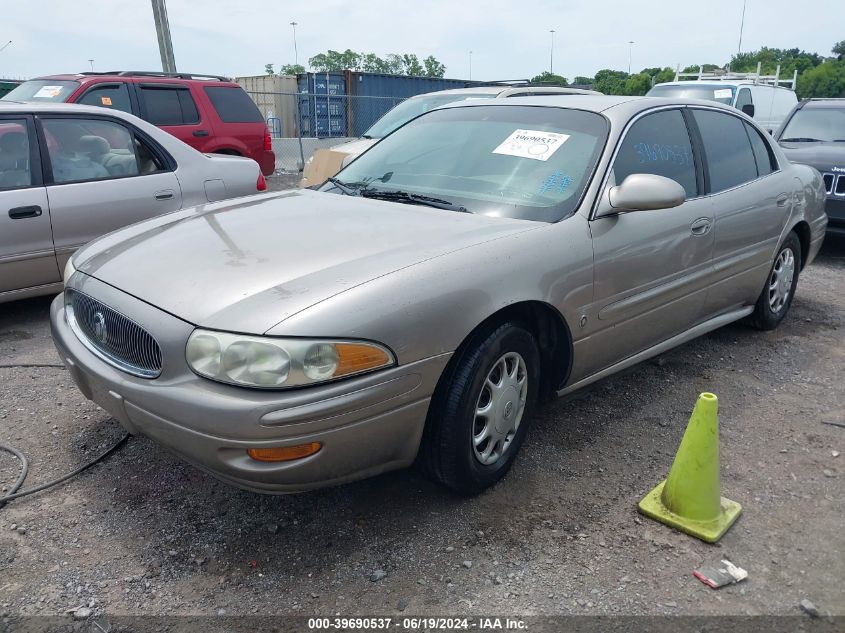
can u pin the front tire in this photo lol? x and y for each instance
(777, 295)
(480, 411)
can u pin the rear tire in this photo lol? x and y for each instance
(481, 409)
(781, 283)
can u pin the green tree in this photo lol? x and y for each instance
(707, 68)
(433, 68)
(268, 68)
(550, 79)
(839, 50)
(638, 84)
(610, 82)
(583, 81)
(412, 65)
(332, 61)
(825, 80)
(291, 69)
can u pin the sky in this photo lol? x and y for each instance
(509, 39)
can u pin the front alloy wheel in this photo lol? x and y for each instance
(500, 407)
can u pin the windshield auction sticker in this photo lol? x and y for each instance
(723, 93)
(531, 144)
(48, 92)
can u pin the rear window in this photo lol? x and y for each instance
(43, 91)
(233, 105)
(169, 106)
(694, 90)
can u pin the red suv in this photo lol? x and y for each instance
(208, 112)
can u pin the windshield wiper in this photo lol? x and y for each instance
(801, 139)
(345, 188)
(412, 198)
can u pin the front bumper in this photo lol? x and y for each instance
(835, 209)
(367, 425)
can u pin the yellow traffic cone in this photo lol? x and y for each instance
(689, 499)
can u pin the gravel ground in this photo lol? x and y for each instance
(144, 533)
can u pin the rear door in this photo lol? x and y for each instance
(751, 199)
(102, 174)
(651, 268)
(172, 107)
(27, 257)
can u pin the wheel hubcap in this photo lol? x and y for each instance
(499, 409)
(780, 282)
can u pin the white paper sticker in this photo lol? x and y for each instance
(534, 144)
(47, 92)
(723, 93)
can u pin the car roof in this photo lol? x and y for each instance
(714, 83)
(87, 77)
(503, 90)
(623, 105)
(826, 102)
(19, 107)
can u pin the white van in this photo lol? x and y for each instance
(763, 98)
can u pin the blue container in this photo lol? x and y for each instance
(322, 104)
(372, 95)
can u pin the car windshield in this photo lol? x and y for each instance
(43, 91)
(694, 90)
(525, 162)
(816, 123)
(414, 107)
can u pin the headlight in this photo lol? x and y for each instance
(69, 270)
(265, 362)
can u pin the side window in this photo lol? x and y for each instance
(15, 170)
(658, 144)
(233, 105)
(169, 106)
(114, 96)
(743, 98)
(762, 152)
(89, 149)
(730, 159)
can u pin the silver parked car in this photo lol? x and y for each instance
(70, 173)
(483, 256)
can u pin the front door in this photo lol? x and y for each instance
(651, 268)
(27, 257)
(102, 176)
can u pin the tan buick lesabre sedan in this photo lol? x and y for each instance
(481, 257)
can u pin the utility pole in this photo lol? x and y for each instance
(552, 54)
(295, 50)
(3, 48)
(470, 65)
(741, 27)
(91, 61)
(630, 53)
(165, 45)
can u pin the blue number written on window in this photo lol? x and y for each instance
(654, 152)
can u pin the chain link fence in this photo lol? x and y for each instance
(302, 122)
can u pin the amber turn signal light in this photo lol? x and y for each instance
(353, 359)
(284, 453)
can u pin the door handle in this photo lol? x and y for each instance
(200, 132)
(164, 195)
(782, 198)
(18, 213)
(701, 226)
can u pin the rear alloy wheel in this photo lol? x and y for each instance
(479, 414)
(777, 295)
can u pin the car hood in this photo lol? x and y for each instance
(248, 264)
(822, 156)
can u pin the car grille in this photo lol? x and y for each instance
(834, 184)
(115, 338)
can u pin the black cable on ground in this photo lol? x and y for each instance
(13, 494)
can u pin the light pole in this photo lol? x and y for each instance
(91, 61)
(295, 50)
(741, 27)
(470, 65)
(630, 53)
(552, 54)
(3, 48)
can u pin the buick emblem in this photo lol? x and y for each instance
(100, 327)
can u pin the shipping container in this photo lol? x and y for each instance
(275, 96)
(373, 94)
(322, 104)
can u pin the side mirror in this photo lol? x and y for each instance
(643, 192)
(748, 109)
